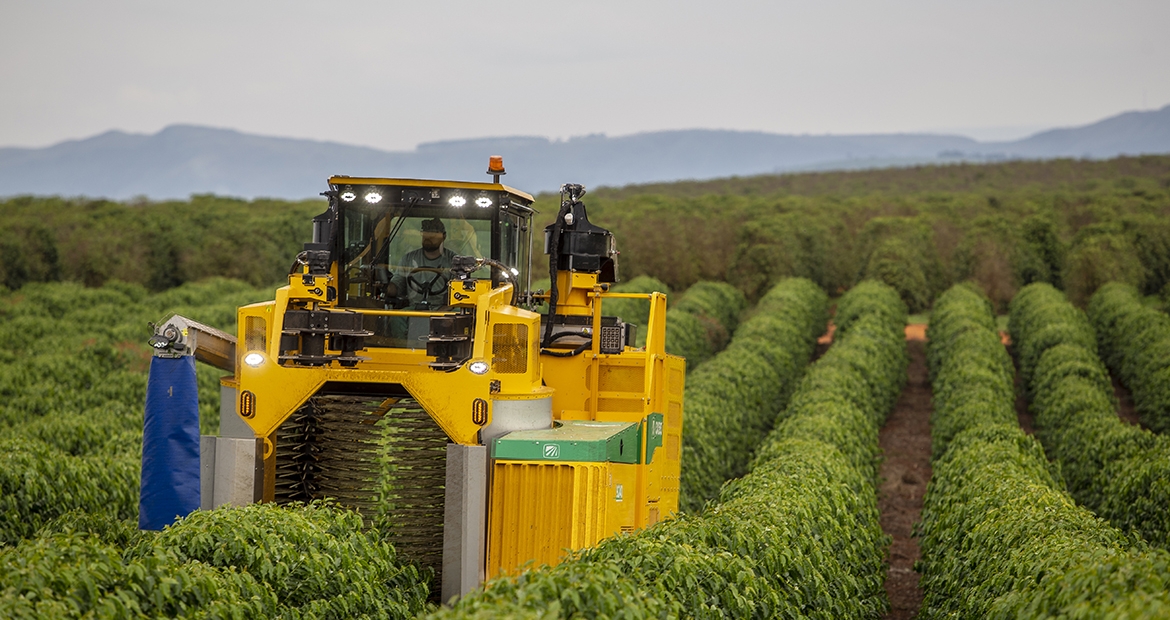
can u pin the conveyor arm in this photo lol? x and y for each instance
(179, 336)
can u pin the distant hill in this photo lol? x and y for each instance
(182, 159)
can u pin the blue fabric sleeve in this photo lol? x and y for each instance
(170, 443)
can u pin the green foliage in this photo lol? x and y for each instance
(29, 254)
(1044, 253)
(716, 301)
(1098, 255)
(73, 373)
(971, 372)
(701, 323)
(732, 400)
(635, 311)
(1150, 237)
(1119, 471)
(1045, 316)
(797, 244)
(869, 297)
(999, 537)
(1000, 540)
(697, 327)
(73, 366)
(38, 484)
(1135, 342)
(899, 252)
(797, 537)
(1003, 226)
(78, 575)
(117, 532)
(158, 245)
(315, 559)
(750, 231)
(261, 561)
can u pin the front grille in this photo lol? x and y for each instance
(510, 348)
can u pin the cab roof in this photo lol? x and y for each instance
(344, 180)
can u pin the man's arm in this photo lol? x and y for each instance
(397, 285)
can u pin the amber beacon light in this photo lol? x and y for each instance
(496, 167)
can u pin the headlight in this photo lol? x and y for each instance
(478, 367)
(373, 197)
(254, 359)
(514, 271)
(347, 195)
(483, 201)
(457, 201)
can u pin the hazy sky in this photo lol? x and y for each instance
(393, 74)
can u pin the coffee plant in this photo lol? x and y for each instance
(72, 384)
(999, 536)
(1134, 341)
(700, 324)
(261, 561)
(732, 400)
(1120, 471)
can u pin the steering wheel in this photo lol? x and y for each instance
(427, 289)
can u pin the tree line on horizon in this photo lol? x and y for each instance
(1073, 223)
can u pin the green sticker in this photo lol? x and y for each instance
(652, 429)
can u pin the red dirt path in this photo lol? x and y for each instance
(1125, 409)
(905, 470)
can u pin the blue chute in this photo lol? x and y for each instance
(170, 443)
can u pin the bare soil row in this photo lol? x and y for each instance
(905, 471)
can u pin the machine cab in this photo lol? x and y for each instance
(396, 239)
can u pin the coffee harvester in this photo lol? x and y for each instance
(475, 432)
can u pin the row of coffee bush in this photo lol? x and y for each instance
(39, 484)
(1118, 470)
(797, 537)
(999, 536)
(732, 400)
(261, 561)
(72, 383)
(822, 459)
(1134, 341)
(699, 322)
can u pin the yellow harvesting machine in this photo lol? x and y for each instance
(405, 372)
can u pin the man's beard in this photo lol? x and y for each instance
(430, 245)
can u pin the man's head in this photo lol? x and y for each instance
(433, 234)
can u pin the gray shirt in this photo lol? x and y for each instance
(415, 278)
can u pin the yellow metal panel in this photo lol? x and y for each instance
(620, 405)
(675, 384)
(622, 501)
(447, 396)
(540, 510)
(616, 378)
(665, 481)
(580, 280)
(427, 183)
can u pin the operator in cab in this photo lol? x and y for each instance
(422, 276)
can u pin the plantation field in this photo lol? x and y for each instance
(848, 384)
(1075, 224)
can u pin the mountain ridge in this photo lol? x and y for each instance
(183, 159)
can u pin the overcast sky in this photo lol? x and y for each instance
(394, 74)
